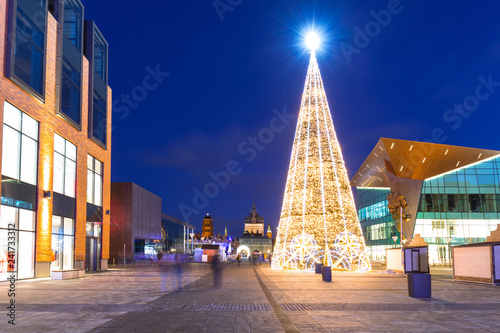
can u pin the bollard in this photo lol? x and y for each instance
(317, 268)
(326, 272)
(419, 285)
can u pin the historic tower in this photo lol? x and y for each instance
(318, 222)
(207, 229)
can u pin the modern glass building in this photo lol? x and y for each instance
(176, 234)
(453, 195)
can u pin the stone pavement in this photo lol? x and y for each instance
(248, 299)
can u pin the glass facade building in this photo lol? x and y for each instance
(453, 206)
(176, 234)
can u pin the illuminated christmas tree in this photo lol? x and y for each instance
(318, 223)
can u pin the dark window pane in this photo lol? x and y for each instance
(99, 118)
(100, 56)
(28, 53)
(70, 92)
(73, 23)
(71, 72)
(29, 29)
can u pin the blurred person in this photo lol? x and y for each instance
(159, 255)
(216, 271)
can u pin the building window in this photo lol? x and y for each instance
(22, 222)
(94, 181)
(64, 166)
(29, 48)
(63, 242)
(73, 11)
(100, 57)
(99, 123)
(71, 91)
(20, 155)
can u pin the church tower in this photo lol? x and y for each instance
(207, 230)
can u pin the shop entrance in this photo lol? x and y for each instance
(93, 247)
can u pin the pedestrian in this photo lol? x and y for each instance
(238, 258)
(159, 255)
(178, 272)
(216, 270)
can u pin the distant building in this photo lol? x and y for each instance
(135, 222)
(453, 195)
(269, 231)
(254, 239)
(207, 230)
(176, 234)
(254, 223)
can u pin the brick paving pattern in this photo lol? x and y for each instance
(248, 299)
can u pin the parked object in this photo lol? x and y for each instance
(419, 285)
(326, 272)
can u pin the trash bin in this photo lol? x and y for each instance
(317, 268)
(419, 285)
(326, 272)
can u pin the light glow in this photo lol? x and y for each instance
(319, 222)
(313, 41)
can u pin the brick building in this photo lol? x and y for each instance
(55, 111)
(136, 222)
(207, 227)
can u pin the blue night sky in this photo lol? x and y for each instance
(229, 68)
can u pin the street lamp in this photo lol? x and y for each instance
(395, 238)
(192, 239)
(448, 241)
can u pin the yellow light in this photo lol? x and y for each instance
(319, 222)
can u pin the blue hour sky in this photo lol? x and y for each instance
(211, 89)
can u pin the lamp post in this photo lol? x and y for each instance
(394, 238)
(448, 241)
(192, 240)
(401, 225)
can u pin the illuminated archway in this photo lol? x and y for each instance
(243, 248)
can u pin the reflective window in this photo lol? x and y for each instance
(64, 166)
(73, 11)
(374, 211)
(100, 56)
(63, 241)
(19, 224)
(94, 181)
(99, 120)
(20, 156)
(28, 61)
(71, 91)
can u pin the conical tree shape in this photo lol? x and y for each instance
(318, 222)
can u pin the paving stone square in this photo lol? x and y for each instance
(249, 299)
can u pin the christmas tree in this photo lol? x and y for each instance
(318, 222)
